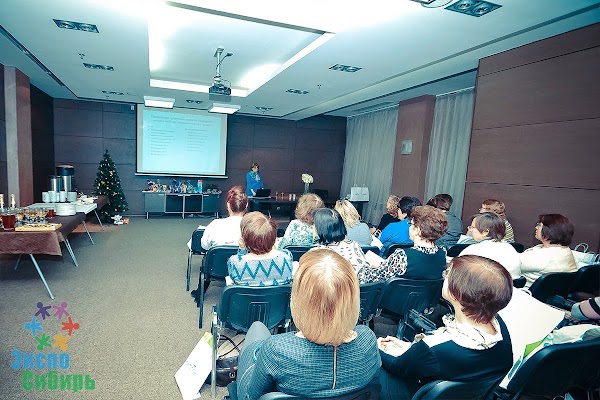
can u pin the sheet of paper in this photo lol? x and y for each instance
(528, 320)
(195, 369)
(373, 259)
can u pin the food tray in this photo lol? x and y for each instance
(37, 227)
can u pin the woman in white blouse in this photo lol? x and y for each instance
(488, 229)
(555, 231)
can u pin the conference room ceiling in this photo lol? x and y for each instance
(291, 60)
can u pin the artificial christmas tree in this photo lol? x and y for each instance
(109, 184)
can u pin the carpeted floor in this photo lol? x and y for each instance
(137, 322)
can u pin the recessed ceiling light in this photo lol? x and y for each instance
(161, 102)
(98, 66)
(473, 7)
(223, 108)
(345, 68)
(296, 91)
(77, 26)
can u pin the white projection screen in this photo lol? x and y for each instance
(180, 142)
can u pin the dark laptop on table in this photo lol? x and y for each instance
(262, 193)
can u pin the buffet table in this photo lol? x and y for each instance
(42, 242)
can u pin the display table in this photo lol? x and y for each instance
(181, 203)
(44, 242)
(85, 208)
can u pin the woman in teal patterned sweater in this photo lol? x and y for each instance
(258, 263)
(301, 231)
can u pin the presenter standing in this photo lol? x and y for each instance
(254, 180)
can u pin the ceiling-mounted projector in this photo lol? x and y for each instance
(218, 87)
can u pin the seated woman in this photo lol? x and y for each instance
(258, 263)
(397, 232)
(226, 231)
(497, 207)
(391, 206)
(487, 229)
(330, 355)
(424, 260)
(450, 238)
(356, 230)
(555, 231)
(332, 235)
(474, 344)
(301, 231)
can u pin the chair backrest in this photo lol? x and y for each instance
(369, 392)
(451, 390)
(552, 284)
(374, 249)
(242, 305)
(587, 279)
(370, 297)
(390, 250)
(519, 282)
(402, 295)
(555, 369)
(298, 251)
(196, 239)
(455, 250)
(214, 264)
(518, 247)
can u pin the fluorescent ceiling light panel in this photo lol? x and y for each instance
(161, 102)
(224, 108)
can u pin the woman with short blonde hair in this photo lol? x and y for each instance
(330, 355)
(357, 231)
(301, 231)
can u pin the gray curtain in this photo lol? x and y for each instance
(449, 147)
(369, 158)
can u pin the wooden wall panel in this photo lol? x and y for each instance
(415, 119)
(525, 203)
(42, 135)
(3, 173)
(577, 40)
(536, 134)
(559, 89)
(555, 154)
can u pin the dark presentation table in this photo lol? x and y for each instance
(266, 205)
(41, 242)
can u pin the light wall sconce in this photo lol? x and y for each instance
(161, 102)
(223, 108)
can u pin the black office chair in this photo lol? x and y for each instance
(518, 247)
(390, 250)
(552, 284)
(370, 297)
(556, 369)
(519, 282)
(196, 249)
(241, 305)
(214, 268)
(298, 251)
(586, 283)
(455, 250)
(451, 390)
(402, 295)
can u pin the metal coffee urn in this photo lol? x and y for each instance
(66, 173)
(55, 183)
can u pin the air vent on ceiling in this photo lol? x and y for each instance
(77, 26)
(98, 66)
(345, 68)
(193, 101)
(263, 109)
(473, 7)
(296, 91)
(111, 92)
